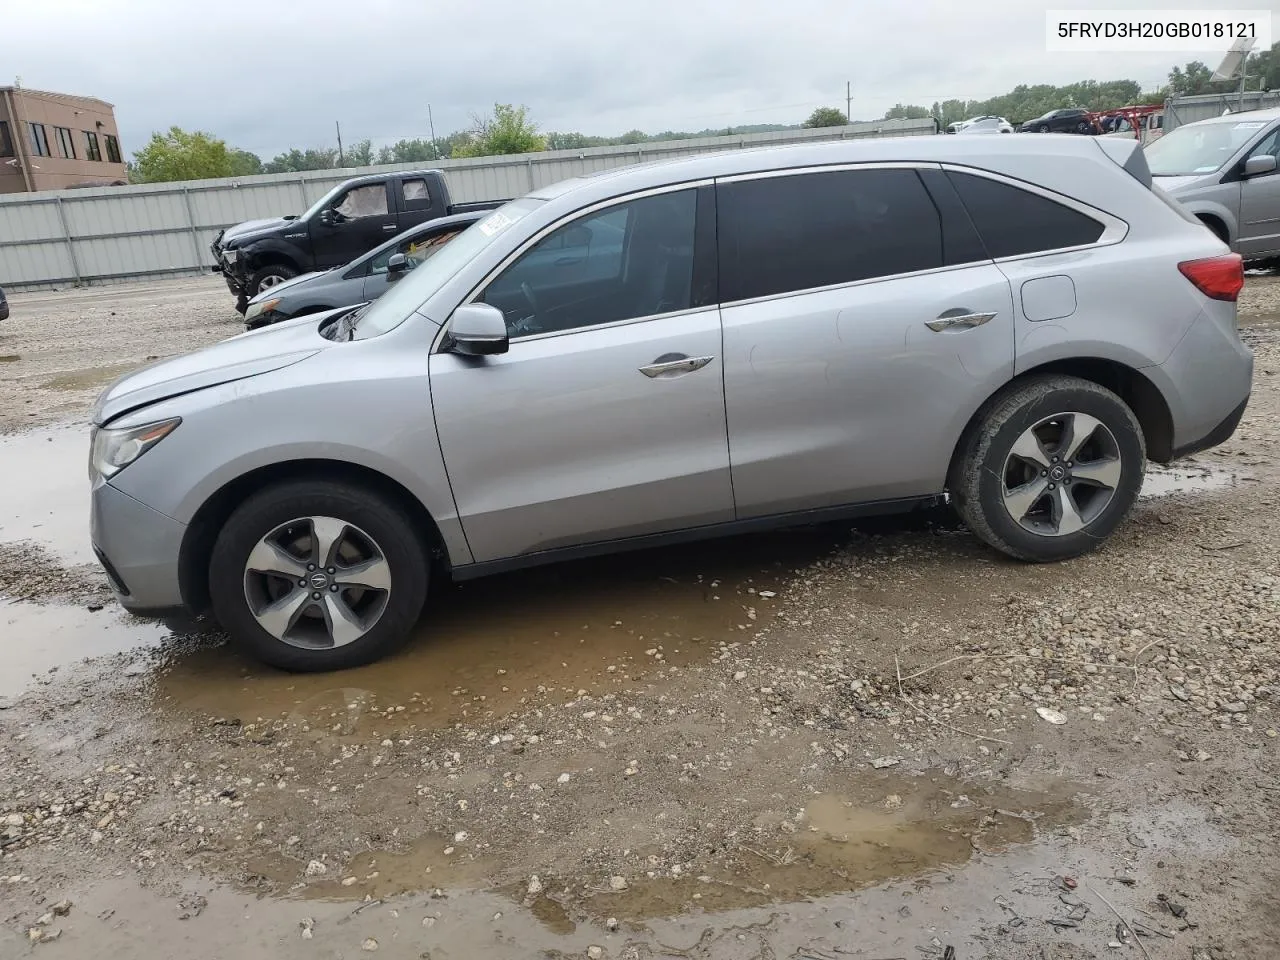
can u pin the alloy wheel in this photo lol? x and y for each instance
(317, 582)
(1061, 474)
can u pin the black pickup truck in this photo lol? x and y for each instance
(349, 220)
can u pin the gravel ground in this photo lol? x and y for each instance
(879, 740)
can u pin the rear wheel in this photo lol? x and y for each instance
(1050, 470)
(1043, 128)
(318, 575)
(269, 276)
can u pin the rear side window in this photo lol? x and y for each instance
(783, 234)
(1013, 222)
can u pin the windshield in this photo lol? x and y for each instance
(389, 311)
(1199, 148)
(321, 203)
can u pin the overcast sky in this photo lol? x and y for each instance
(271, 74)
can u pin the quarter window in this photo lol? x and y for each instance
(1014, 222)
(39, 140)
(798, 232)
(625, 262)
(416, 194)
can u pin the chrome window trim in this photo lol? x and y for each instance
(565, 220)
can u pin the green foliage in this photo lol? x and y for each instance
(359, 154)
(296, 161)
(179, 155)
(244, 163)
(1025, 102)
(907, 111)
(507, 130)
(826, 117)
(409, 151)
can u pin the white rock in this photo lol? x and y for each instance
(428, 922)
(595, 952)
(766, 594)
(1052, 715)
(460, 836)
(370, 945)
(316, 869)
(611, 924)
(535, 885)
(617, 883)
(13, 820)
(564, 778)
(881, 762)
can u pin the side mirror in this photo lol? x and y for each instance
(397, 266)
(1262, 163)
(327, 218)
(477, 330)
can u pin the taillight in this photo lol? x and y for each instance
(1220, 278)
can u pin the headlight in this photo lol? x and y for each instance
(231, 256)
(257, 308)
(113, 450)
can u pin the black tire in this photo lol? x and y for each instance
(1043, 128)
(977, 476)
(270, 271)
(268, 509)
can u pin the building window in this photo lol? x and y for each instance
(66, 146)
(39, 140)
(113, 149)
(91, 149)
(6, 140)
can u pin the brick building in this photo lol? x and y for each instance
(50, 141)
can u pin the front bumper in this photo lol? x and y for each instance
(139, 549)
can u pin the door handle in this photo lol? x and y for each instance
(958, 320)
(671, 364)
(388, 226)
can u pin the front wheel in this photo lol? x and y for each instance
(269, 276)
(1050, 469)
(318, 575)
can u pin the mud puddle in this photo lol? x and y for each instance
(44, 496)
(1187, 479)
(487, 647)
(35, 639)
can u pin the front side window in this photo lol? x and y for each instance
(416, 250)
(785, 234)
(367, 201)
(39, 140)
(91, 149)
(113, 149)
(1199, 148)
(1014, 222)
(625, 262)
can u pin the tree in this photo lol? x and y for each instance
(244, 163)
(826, 117)
(359, 154)
(179, 155)
(905, 111)
(507, 130)
(296, 161)
(409, 151)
(1194, 78)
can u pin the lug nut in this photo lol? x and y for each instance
(315, 596)
(1051, 486)
(302, 583)
(1044, 473)
(311, 566)
(332, 570)
(334, 588)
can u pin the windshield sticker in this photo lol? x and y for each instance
(494, 223)
(1250, 125)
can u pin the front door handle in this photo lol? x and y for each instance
(673, 364)
(388, 226)
(958, 319)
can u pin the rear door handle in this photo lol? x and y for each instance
(672, 364)
(958, 319)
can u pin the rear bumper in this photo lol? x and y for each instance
(1219, 434)
(1207, 382)
(138, 548)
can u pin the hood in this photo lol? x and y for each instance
(280, 288)
(250, 227)
(246, 355)
(1170, 184)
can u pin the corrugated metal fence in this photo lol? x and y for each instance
(111, 234)
(1180, 110)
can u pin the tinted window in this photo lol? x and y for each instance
(1013, 222)
(631, 260)
(780, 234)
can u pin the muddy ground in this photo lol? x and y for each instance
(826, 743)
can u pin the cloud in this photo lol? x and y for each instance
(267, 76)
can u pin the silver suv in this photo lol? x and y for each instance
(684, 350)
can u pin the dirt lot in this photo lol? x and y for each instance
(876, 741)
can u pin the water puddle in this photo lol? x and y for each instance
(1187, 479)
(36, 639)
(90, 377)
(44, 491)
(490, 646)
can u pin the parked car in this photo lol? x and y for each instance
(349, 220)
(1066, 120)
(1223, 171)
(986, 125)
(4, 305)
(674, 351)
(363, 279)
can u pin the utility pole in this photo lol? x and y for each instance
(848, 101)
(432, 123)
(341, 160)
